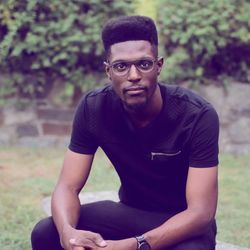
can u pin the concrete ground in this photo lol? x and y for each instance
(112, 195)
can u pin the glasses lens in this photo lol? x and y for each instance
(145, 65)
(120, 67)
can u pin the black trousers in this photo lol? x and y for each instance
(114, 221)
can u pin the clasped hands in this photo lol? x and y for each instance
(82, 240)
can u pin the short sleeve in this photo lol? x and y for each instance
(204, 140)
(82, 139)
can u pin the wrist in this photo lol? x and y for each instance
(132, 243)
(65, 229)
(65, 234)
(142, 243)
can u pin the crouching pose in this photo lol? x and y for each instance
(163, 143)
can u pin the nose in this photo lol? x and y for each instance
(134, 74)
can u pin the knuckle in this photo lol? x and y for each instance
(98, 235)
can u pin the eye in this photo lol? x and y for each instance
(120, 66)
(145, 64)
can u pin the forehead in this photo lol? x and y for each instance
(131, 50)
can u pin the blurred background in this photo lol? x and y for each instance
(51, 54)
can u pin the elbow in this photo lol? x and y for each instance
(203, 218)
(206, 215)
(207, 222)
(206, 219)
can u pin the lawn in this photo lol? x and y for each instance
(28, 175)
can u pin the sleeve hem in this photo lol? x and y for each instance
(82, 150)
(204, 164)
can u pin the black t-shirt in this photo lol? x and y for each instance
(152, 162)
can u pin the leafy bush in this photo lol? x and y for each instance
(205, 38)
(46, 40)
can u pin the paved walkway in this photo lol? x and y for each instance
(112, 195)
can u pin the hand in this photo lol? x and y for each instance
(73, 239)
(126, 244)
(87, 239)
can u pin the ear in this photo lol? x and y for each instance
(107, 70)
(160, 62)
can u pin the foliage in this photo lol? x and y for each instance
(148, 9)
(205, 38)
(44, 40)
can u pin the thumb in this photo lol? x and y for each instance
(78, 248)
(100, 241)
(73, 242)
(87, 242)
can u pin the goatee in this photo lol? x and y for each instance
(135, 106)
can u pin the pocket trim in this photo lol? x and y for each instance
(154, 154)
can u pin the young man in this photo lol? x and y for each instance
(163, 143)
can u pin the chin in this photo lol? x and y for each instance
(136, 106)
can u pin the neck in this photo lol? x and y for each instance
(145, 116)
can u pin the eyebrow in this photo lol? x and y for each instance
(128, 61)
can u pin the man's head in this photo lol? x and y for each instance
(132, 64)
(129, 28)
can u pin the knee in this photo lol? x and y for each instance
(43, 232)
(199, 243)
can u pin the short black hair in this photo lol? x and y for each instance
(129, 28)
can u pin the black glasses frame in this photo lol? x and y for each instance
(136, 63)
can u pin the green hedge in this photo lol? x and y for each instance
(205, 39)
(46, 40)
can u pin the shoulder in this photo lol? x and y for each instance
(100, 92)
(184, 95)
(181, 100)
(184, 109)
(98, 98)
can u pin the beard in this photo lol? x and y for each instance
(135, 102)
(135, 106)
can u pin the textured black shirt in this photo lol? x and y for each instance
(152, 162)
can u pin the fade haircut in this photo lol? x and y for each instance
(129, 28)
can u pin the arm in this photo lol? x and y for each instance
(201, 186)
(65, 201)
(201, 193)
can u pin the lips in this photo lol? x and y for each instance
(134, 90)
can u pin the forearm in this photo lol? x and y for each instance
(65, 208)
(184, 225)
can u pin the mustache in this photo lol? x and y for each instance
(134, 87)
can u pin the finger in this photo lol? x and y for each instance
(97, 239)
(82, 242)
(100, 241)
(78, 248)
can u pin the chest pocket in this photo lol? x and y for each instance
(161, 156)
(169, 163)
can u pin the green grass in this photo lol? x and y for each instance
(233, 216)
(28, 175)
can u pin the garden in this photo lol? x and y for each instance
(43, 43)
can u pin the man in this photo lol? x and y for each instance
(163, 143)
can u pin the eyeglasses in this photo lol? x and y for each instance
(122, 68)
